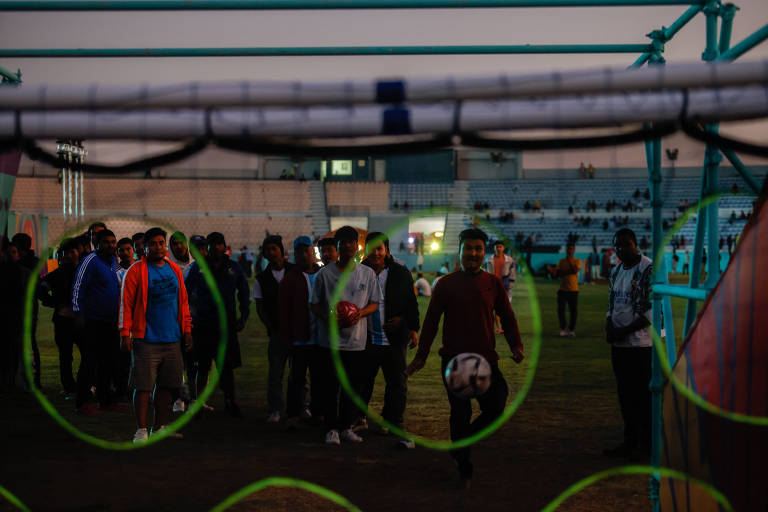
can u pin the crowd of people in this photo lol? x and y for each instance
(147, 325)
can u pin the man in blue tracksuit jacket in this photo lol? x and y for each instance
(96, 302)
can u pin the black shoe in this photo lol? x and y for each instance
(623, 450)
(233, 409)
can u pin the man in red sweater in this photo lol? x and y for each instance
(469, 299)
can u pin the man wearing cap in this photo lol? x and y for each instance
(233, 288)
(362, 289)
(265, 295)
(297, 329)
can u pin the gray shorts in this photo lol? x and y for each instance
(159, 363)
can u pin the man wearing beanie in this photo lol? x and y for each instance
(265, 289)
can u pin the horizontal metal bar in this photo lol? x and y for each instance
(745, 45)
(192, 5)
(676, 290)
(9, 75)
(291, 51)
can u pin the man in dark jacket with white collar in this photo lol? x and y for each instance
(391, 329)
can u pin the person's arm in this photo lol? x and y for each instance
(428, 330)
(284, 308)
(508, 323)
(244, 298)
(44, 292)
(317, 305)
(127, 303)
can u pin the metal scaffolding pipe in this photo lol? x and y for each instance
(745, 45)
(314, 51)
(221, 5)
(682, 291)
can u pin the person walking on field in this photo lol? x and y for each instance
(568, 270)
(154, 319)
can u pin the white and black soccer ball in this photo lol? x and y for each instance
(467, 375)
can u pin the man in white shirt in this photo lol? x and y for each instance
(627, 328)
(363, 290)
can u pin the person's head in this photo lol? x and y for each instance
(95, 228)
(83, 245)
(625, 244)
(13, 254)
(346, 243)
(22, 242)
(377, 248)
(125, 250)
(217, 246)
(179, 247)
(200, 243)
(106, 243)
(498, 248)
(67, 253)
(328, 252)
(472, 249)
(155, 244)
(273, 249)
(570, 249)
(303, 252)
(138, 244)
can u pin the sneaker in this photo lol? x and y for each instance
(274, 417)
(172, 435)
(349, 435)
(332, 437)
(406, 444)
(141, 435)
(563, 333)
(306, 414)
(87, 409)
(360, 424)
(179, 405)
(204, 407)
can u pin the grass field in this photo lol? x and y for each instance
(553, 440)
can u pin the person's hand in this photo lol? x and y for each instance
(240, 325)
(517, 354)
(188, 341)
(126, 343)
(416, 365)
(354, 318)
(413, 339)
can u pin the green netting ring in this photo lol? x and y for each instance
(174, 425)
(510, 408)
(277, 481)
(8, 495)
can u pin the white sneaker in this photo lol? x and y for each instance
(563, 333)
(406, 444)
(332, 437)
(349, 435)
(141, 435)
(274, 417)
(173, 435)
(179, 405)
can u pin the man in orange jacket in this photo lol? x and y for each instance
(154, 318)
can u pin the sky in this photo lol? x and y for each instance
(353, 28)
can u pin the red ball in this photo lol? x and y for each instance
(345, 313)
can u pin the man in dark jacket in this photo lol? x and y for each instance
(265, 289)
(95, 302)
(55, 291)
(13, 278)
(391, 329)
(205, 318)
(297, 330)
(22, 243)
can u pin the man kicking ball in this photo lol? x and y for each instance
(469, 299)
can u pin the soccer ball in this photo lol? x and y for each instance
(467, 375)
(345, 311)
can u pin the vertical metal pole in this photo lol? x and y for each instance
(711, 11)
(82, 180)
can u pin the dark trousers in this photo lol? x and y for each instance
(66, 336)
(632, 367)
(205, 351)
(572, 299)
(303, 359)
(100, 351)
(339, 410)
(277, 355)
(391, 360)
(492, 404)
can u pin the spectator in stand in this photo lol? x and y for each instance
(568, 272)
(729, 242)
(591, 171)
